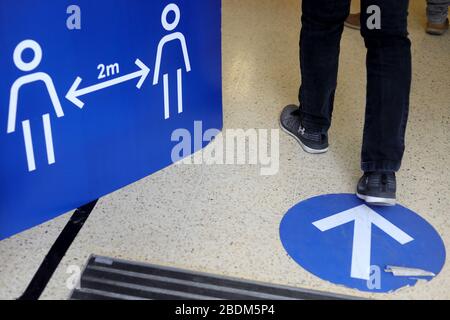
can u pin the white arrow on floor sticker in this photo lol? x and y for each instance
(363, 217)
(74, 92)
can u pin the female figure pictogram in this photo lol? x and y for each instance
(14, 96)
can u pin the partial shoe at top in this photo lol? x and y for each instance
(353, 21)
(437, 29)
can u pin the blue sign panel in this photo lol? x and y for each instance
(91, 92)
(377, 249)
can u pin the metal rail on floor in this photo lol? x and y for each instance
(112, 279)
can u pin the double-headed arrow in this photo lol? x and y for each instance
(363, 218)
(74, 92)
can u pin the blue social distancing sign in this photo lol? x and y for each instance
(342, 240)
(91, 93)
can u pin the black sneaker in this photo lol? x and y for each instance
(311, 142)
(377, 188)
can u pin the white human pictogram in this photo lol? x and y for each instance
(170, 26)
(14, 96)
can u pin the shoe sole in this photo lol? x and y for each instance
(304, 147)
(377, 201)
(436, 32)
(352, 26)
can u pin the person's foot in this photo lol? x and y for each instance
(353, 21)
(311, 142)
(377, 188)
(437, 29)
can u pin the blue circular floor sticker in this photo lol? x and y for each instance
(342, 240)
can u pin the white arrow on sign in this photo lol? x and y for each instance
(363, 218)
(74, 92)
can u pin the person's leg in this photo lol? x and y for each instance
(322, 26)
(437, 14)
(388, 89)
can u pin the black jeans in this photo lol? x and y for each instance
(388, 65)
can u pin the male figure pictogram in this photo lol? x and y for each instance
(170, 26)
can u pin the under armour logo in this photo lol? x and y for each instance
(301, 130)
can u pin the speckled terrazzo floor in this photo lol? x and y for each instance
(227, 223)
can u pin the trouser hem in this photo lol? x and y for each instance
(380, 165)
